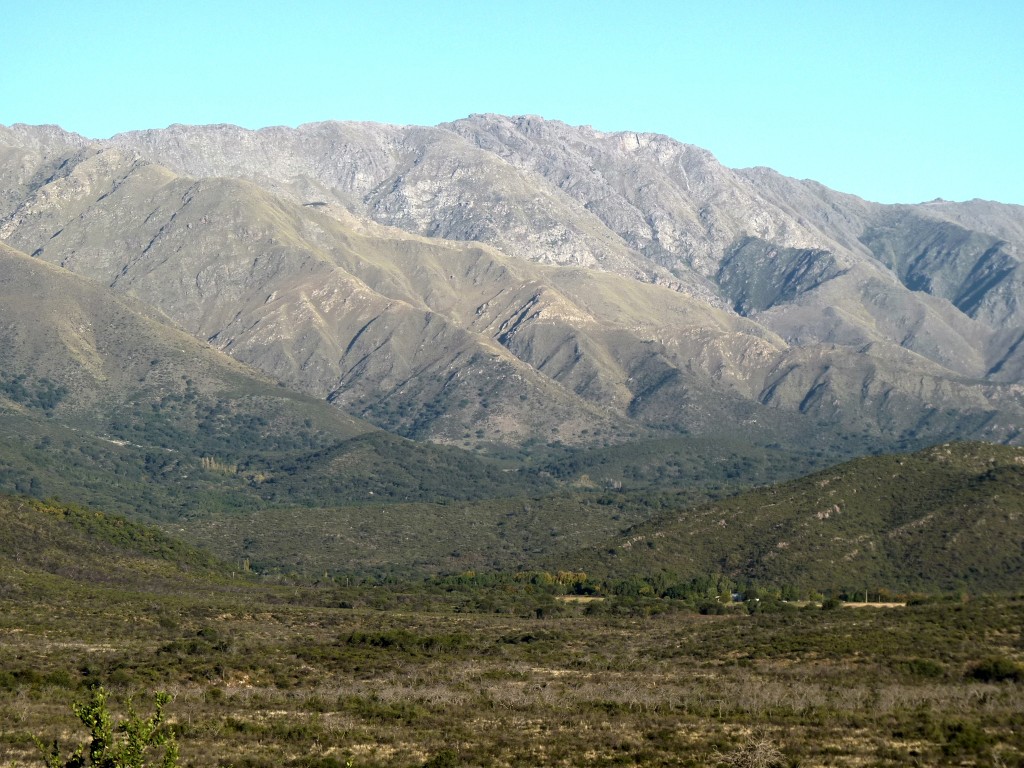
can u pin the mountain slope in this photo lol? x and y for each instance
(488, 279)
(108, 353)
(266, 281)
(104, 403)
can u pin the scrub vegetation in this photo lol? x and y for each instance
(497, 669)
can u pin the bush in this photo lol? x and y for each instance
(997, 670)
(964, 737)
(758, 752)
(105, 749)
(446, 758)
(924, 668)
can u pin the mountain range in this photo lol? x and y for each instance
(516, 281)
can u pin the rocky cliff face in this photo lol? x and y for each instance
(508, 279)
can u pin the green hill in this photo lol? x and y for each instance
(945, 518)
(69, 545)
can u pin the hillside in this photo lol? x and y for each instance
(554, 503)
(946, 518)
(105, 403)
(51, 546)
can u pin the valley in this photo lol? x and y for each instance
(504, 442)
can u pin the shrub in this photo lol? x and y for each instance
(105, 749)
(996, 670)
(446, 758)
(758, 752)
(964, 737)
(924, 668)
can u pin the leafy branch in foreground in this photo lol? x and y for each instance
(105, 748)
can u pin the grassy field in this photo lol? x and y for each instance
(429, 674)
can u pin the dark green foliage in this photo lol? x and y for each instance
(964, 737)
(42, 394)
(226, 427)
(940, 519)
(91, 546)
(189, 454)
(387, 469)
(698, 467)
(997, 670)
(446, 758)
(180, 451)
(925, 668)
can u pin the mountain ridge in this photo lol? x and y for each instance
(506, 247)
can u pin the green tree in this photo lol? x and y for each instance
(123, 745)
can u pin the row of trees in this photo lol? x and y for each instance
(662, 585)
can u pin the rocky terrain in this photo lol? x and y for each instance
(511, 279)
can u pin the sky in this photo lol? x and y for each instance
(897, 101)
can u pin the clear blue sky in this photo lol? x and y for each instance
(898, 101)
